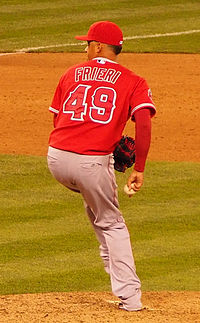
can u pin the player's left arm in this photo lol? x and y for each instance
(56, 102)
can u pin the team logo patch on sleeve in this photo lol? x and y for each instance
(150, 94)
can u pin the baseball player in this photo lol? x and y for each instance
(91, 105)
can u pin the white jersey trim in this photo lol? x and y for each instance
(53, 110)
(147, 105)
(104, 59)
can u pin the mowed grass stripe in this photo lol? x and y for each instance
(47, 243)
(55, 263)
(179, 222)
(176, 272)
(64, 272)
(33, 24)
(165, 245)
(85, 14)
(90, 279)
(74, 242)
(46, 246)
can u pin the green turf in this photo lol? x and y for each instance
(34, 23)
(47, 243)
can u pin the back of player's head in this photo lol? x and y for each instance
(105, 32)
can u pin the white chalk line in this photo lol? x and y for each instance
(164, 35)
(14, 53)
(24, 50)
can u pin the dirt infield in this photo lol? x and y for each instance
(27, 85)
(29, 81)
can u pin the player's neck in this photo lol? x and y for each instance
(110, 57)
(106, 52)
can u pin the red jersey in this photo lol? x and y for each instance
(92, 104)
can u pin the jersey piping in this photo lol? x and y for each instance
(142, 106)
(53, 110)
(104, 59)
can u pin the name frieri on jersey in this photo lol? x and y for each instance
(88, 73)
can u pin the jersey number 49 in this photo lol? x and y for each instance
(101, 109)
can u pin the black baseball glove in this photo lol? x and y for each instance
(124, 154)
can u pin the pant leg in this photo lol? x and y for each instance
(104, 253)
(99, 192)
(124, 280)
(110, 259)
(94, 177)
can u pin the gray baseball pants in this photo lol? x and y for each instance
(93, 176)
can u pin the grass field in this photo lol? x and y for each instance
(35, 23)
(47, 243)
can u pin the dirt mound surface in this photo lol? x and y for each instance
(99, 308)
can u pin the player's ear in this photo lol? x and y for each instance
(98, 47)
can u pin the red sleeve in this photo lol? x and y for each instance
(141, 99)
(55, 105)
(142, 137)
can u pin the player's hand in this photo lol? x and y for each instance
(137, 179)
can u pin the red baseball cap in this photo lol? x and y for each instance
(105, 32)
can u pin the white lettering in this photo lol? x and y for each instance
(86, 73)
(78, 74)
(100, 74)
(96, 74)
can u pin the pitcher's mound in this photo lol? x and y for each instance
(86, 307)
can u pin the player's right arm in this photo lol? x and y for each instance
(142, 138)
(142, 145)
(142, 110)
